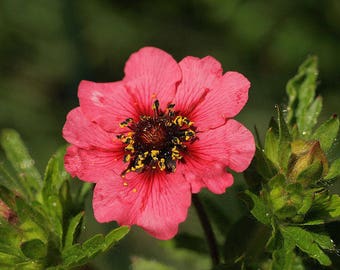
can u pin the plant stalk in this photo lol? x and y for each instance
(207, 228)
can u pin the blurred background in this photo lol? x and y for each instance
(47, 47)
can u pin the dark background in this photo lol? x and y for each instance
(47, 47)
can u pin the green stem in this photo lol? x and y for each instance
(208, 231)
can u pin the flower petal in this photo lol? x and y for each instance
(79, 131)
(231, 145)
(199, 77)
(151, 74)
(93, 165)
(203, 173)
(224, 101)
(106, 104)
(157, 202)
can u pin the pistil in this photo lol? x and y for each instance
(156, 142)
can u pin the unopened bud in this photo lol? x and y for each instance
(307, 163)
(7, 213)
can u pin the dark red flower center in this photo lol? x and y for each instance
(156, 142)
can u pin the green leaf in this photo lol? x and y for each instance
(246, 241)
(54, 212)
(55, 174)
(8, 197)
(301, 91)
(334, 170)
(285, 258)
(72, 229)
(285, 139)
(313, 112)
(263, 165)
(80, 254)
(307, 242)
(32, 220)
(333, 207)
(272, 142)
(7, 179)
(17, 154)
(259, 209)
(34, 249)
(115, 235)
(327, 133)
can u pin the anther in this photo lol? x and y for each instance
(155, 107)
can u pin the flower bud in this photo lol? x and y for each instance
(7, 213)
(307, 163)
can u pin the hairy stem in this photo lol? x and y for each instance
(209, 234)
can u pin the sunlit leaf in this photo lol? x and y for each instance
(307, 242)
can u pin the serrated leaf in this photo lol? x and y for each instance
(72, 229)
(301, 91)
(327, 133)
(17, 154)
(285, 258)
(324, 241)
(333, 207)
(334, 170)
(306, 241)
(80, 254)
(34, 249)
(259, 209)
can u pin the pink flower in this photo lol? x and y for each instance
(162, 133)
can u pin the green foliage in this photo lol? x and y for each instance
(40, 220)
(292, 197)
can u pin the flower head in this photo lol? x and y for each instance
(162, 133)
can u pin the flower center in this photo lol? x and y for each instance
(156, 142)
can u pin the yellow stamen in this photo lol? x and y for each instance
(161, 164)
(154, 154)
(127, 158)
